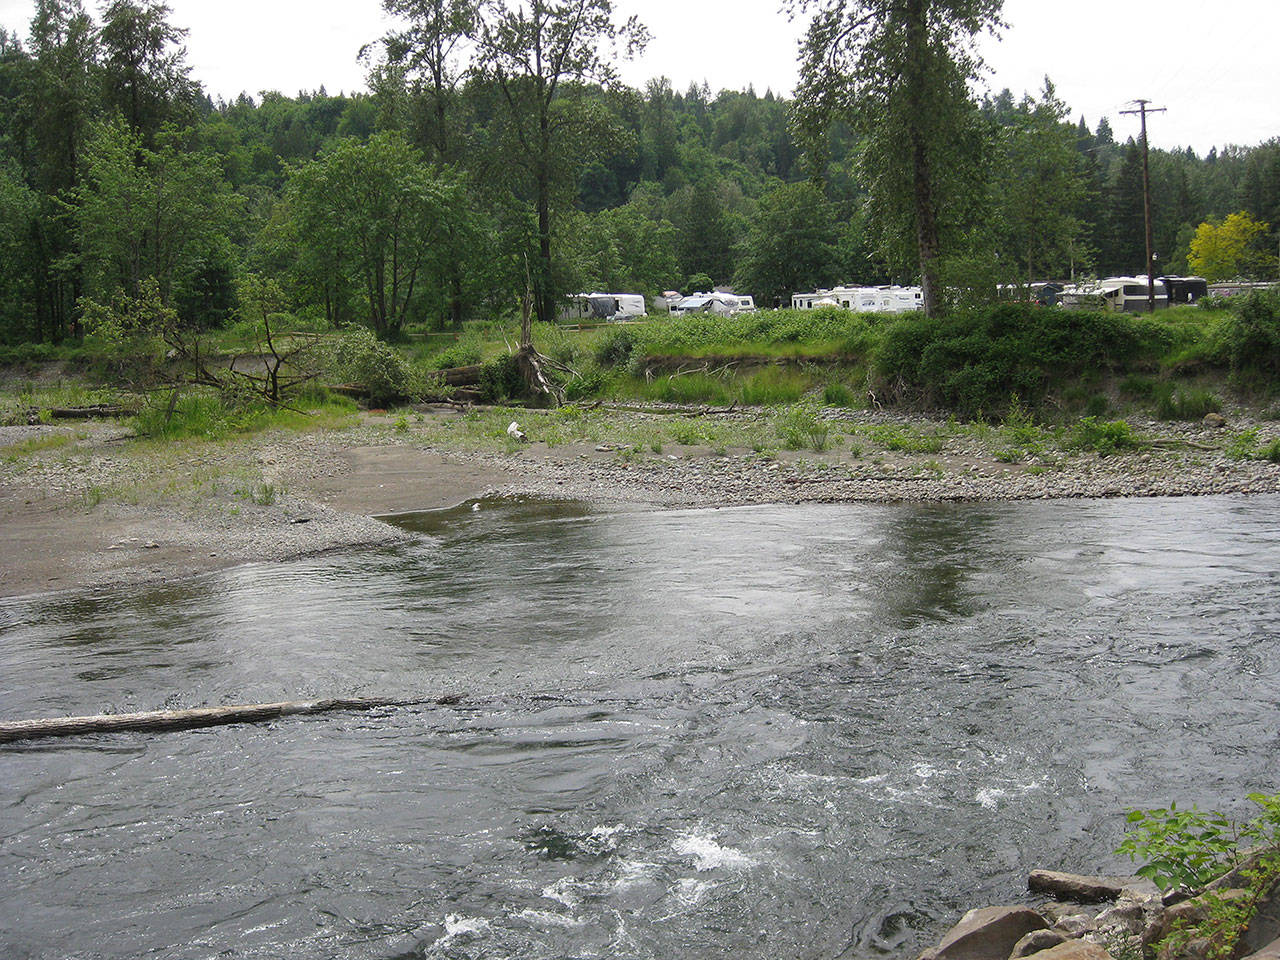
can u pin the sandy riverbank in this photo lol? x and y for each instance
(90, 507)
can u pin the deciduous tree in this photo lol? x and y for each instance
(900, 69)
(537, 53)
(1230, 248)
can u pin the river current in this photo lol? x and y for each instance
(800, 731)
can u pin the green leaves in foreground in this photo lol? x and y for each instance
(1186, 849)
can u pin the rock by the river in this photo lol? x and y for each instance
(1190, 911)
(1075, 950)
(1264, 928)
(987, 933)
(1035, 942)
(1073, 886)
(1270, 952)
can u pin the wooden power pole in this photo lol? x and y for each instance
(1142, 111)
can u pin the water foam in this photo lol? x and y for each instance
(709, 855)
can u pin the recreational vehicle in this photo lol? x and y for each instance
(885, 299)
(1122, 294)
(596, 307)
(717, 301)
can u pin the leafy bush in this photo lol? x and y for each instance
(799, 427)
(208, 416)
(1188, 849)
(837, 394)
(972, 360)
(587, 384)
(1104, 437)
(905, 439)
(462, 353)
(614, 347)
(1252, 335)
(358, 356)
(500, 380)
(1244, 446)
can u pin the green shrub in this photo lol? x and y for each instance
(772, 386)
(209, 416)
(800, 427)
(971, 360)
(1104, 437)
(1186, 850)
(1244, 446)
(587, 384)
(905, 439)
(500, 380)
(1137, 387)
(358, 356)
(837, 394)
(615, 346)
(1252, 336)
(463, 353)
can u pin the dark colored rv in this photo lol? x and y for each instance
(1185, 289)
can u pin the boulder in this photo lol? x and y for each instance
(1075, 924)
(1075, 950)
(1190, 911)
(1035, 942)
(988, 933)
(1130, 915)
(1073, 886)
(1264, 928)
(1270, 952)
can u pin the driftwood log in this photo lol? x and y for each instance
(83, 413)
(194, 718)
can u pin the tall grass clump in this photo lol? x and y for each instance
(971, 361)
(207, 416)
(1189, 404)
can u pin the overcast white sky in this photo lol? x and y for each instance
(1212, 64)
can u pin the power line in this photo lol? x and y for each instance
(1142, 111)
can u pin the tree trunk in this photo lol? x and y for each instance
(927, 244)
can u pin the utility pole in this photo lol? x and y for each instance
(1142, 111)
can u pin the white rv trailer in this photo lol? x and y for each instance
(602, 306)
(717, 301)
(884, 299)
(1122, 294)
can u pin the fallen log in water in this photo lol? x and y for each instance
(197, 717)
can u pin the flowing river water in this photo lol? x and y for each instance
(800, 731)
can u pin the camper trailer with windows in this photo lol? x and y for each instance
(601, 307)
(1121, 294)
(717, 301)
(884, 299)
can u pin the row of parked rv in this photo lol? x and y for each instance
(597, 307)
(1125, 294)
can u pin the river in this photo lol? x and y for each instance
(799, 731)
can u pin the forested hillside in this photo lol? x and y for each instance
(458, 186)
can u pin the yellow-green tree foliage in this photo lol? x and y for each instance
(1224, 250)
